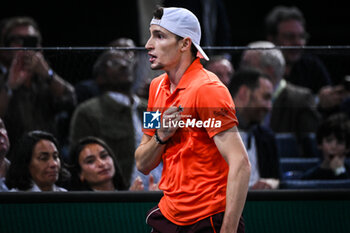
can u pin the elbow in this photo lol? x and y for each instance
(140, 165)
(245, 165)
(142, 169)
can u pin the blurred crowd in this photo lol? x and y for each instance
(59, 136)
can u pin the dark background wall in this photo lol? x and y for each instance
(94, 23)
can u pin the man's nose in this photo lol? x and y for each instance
(149, 45)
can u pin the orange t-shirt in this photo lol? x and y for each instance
(194, 174)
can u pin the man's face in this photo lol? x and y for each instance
(21, 36)
(291, 33)
(223, 69)
(260, 101)
(4, 141)
(163, 49)
(119, 74)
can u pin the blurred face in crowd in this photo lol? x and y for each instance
(4, 141)
(223, 69)
(20, 36)
(291, 33)
(119, 74)
(45, 165)
(125, 43)
(96, 165)
(163, 49)
(334, 150)
(259, 101)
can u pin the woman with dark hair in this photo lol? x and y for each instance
(94, 167)
(36, 164)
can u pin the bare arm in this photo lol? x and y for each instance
(149, 153)
(231, 147)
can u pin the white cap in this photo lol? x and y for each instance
(184, 23)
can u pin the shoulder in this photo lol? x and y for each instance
(298, 91)
(92, 103)
(158, 80)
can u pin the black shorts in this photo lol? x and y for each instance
(211, 224)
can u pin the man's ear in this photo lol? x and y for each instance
(186, 44)
(243, 94)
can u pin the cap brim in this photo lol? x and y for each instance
(201, 53)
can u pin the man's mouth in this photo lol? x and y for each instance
(152, 58)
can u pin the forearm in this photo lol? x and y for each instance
(62, 89)
(148, 155)
(236, 193)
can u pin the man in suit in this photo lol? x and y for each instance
(115, 115)
(252, 92)
(294, 109)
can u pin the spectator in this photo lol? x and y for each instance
(114, 116)
(94, 167)
(294, 109)
(35, 94)
(4, 148)
(285, 26)
(36, 164)
(90, 88)
(333, 139)
(222, 67)
(252, 92)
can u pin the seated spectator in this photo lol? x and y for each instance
(285, 26)
(36, 164)
(35, 94)
(114, 116)
(333, 138)
(252, 92)
(90, 88)
(93, 166)
(4, 148)
(294, 108)
(222, 67)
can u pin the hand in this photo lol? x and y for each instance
(261, 185)
(331, 96)
(152, 186)
(137, 185)
(170, 116)
(37, 63)
(18, 73)
(337, 162)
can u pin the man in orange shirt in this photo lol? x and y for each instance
(205, 165)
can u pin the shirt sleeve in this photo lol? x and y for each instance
(215, 107)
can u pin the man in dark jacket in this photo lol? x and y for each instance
(252, 92)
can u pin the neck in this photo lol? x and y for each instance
(106, 186)
(175, 74)
(46, 188)
(244, 124)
